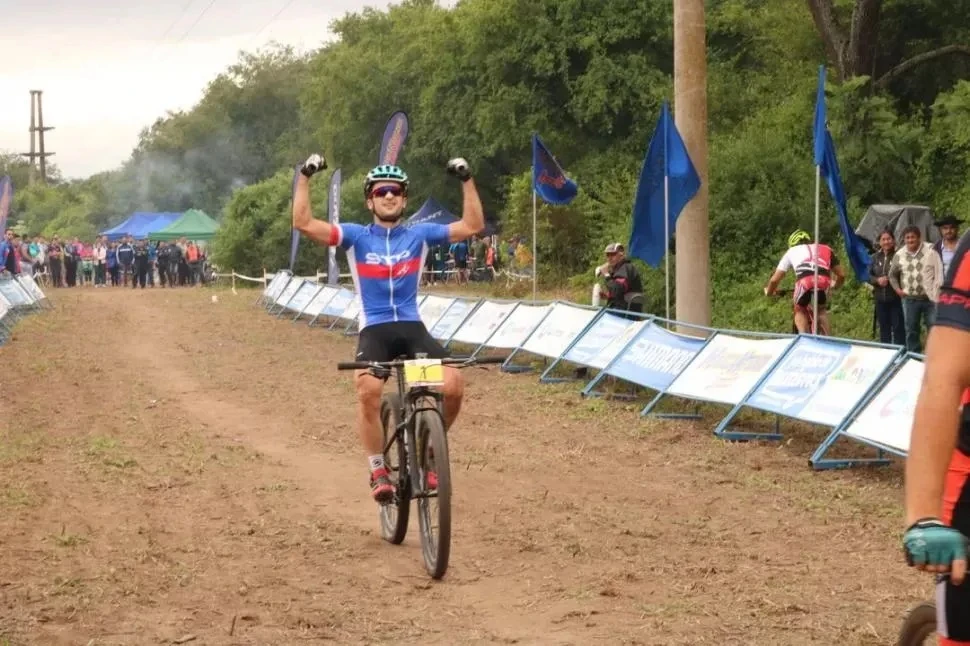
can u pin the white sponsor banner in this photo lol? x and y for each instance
(588, 348)
(727, 368)
(517, 327)
(888, 417)
(4, 308)
(339, 302)
(352, 310)
(276, 285)
(324, 296)
(449, 322)
(15, 293)
(821, 380)
(292, 287)
(483, 322)
(30, 286)
(616, 345)
(432, 308)
(303, 296)
(557, 331)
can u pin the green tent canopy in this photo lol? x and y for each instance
(193, 225)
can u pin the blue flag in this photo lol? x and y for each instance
(666, 157)
(825, 159)
(548, 179)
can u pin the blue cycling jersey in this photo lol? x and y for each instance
(386, 267)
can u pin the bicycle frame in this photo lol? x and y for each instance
(411, 404)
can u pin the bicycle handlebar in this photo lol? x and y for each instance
(397, 363)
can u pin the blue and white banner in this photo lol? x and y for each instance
(821, 380)
(888, 417)
(590, 349)
(450, 321)
(728, 368)
(516, 328)
(558, 330)
(483, 322)
(655, 357)
(303, 296)
(319, 302)
(338, 303)
(432, 308)
(289, 291)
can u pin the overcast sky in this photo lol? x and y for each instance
(110, 68)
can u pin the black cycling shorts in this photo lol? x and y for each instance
(953, 601)
(803, 297)
(389, 341)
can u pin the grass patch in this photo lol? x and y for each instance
(108, 451)
(22, 447)
(16, 496)
(68, 539)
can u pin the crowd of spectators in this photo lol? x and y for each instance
(104, 263)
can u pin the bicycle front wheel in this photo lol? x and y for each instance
(434, 504)
(919, 626)
(394, 515)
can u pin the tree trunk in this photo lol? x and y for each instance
(851, 53)
(693, 270)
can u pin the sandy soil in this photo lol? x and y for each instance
(174, 470)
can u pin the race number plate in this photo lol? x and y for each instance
(423, 372)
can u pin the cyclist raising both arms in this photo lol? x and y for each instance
(802, 257)
(385, 261)
(938, 463)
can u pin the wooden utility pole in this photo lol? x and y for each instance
(693, 266)
(37, 130)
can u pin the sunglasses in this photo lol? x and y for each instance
(381, 191)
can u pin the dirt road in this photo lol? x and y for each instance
(174, 470)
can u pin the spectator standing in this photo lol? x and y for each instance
(916, 274)
(126, 258)
(946, 246)
(888, 314)
(100, 262)
(10, 253)
(140, 265)
(55, 258)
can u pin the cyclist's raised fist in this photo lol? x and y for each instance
(460, 168)
(314, 164)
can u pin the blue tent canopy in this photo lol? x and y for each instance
(141, 225)
(433, 213)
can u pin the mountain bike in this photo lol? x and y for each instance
(416, 451)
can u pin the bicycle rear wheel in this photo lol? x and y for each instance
(434, 509)
(394, 515)
(919, 626)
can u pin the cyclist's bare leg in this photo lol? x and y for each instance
(453, 391)
(801, 321)
(369, 390)
(823, 322)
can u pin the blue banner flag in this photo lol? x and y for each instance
(667, 157)
(333, 270)
(294, 233)
(824, 148)
(395, 134)
(6, 199)
(548, 179)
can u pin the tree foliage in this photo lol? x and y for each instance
(478, 79)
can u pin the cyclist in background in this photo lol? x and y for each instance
(386, 260)
(802, 257)
(938, 463)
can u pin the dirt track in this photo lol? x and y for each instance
(173, 468)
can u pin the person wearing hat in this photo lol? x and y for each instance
(624, 289)
(946, 246)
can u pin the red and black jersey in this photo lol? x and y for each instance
(953, 310)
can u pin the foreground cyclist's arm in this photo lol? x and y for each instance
(318, 230)
(935, 427)
(472, 214)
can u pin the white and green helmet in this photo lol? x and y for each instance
(385, 173)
